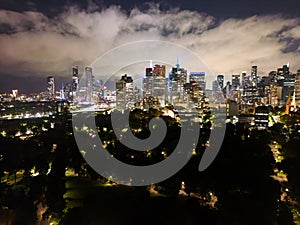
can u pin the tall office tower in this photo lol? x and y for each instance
(215, 86)
(75, 71)
(227, 90)
(272, 90)
(178, 74)
(149, 71)
(99, 88)
(263, 88)
(250, 93)
(288, 85)
(217, 93)
(199, 90)
(272, 76)
(154, 83)
(235, 81)
(220, 79)
(159, 70)
(175, 89)
(51, 86)
(74, 78)
(199, 78)
(297, 88)
(254, 77)
(89, 83)
(125, 93)
(160, 84)
(62, 93)
(285, 82)
(148, 83)
(245, 80)
(283, 71)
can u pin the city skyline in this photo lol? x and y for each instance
(37, 42)
(80, 73)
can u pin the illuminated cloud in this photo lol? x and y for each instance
(33, 44)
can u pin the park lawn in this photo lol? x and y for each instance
(81, 188)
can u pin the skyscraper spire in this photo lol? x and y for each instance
(177, 63)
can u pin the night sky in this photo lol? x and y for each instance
(41, 38)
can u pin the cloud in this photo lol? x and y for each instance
(33, 44)
(236, 44)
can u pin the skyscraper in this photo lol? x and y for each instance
(74, 78)
(154, 83)
(285, 82)
(250, 92)
(235, 81)
(220, 79)
(215, 86)
(245, 80)
(89, 83)
(199, 78)
(159, 70)
(148, 82)
(176, 82)
(51, 86)
(254, 77)
(283, 71)
(297, 88)
(272, 76)
(125, 95)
